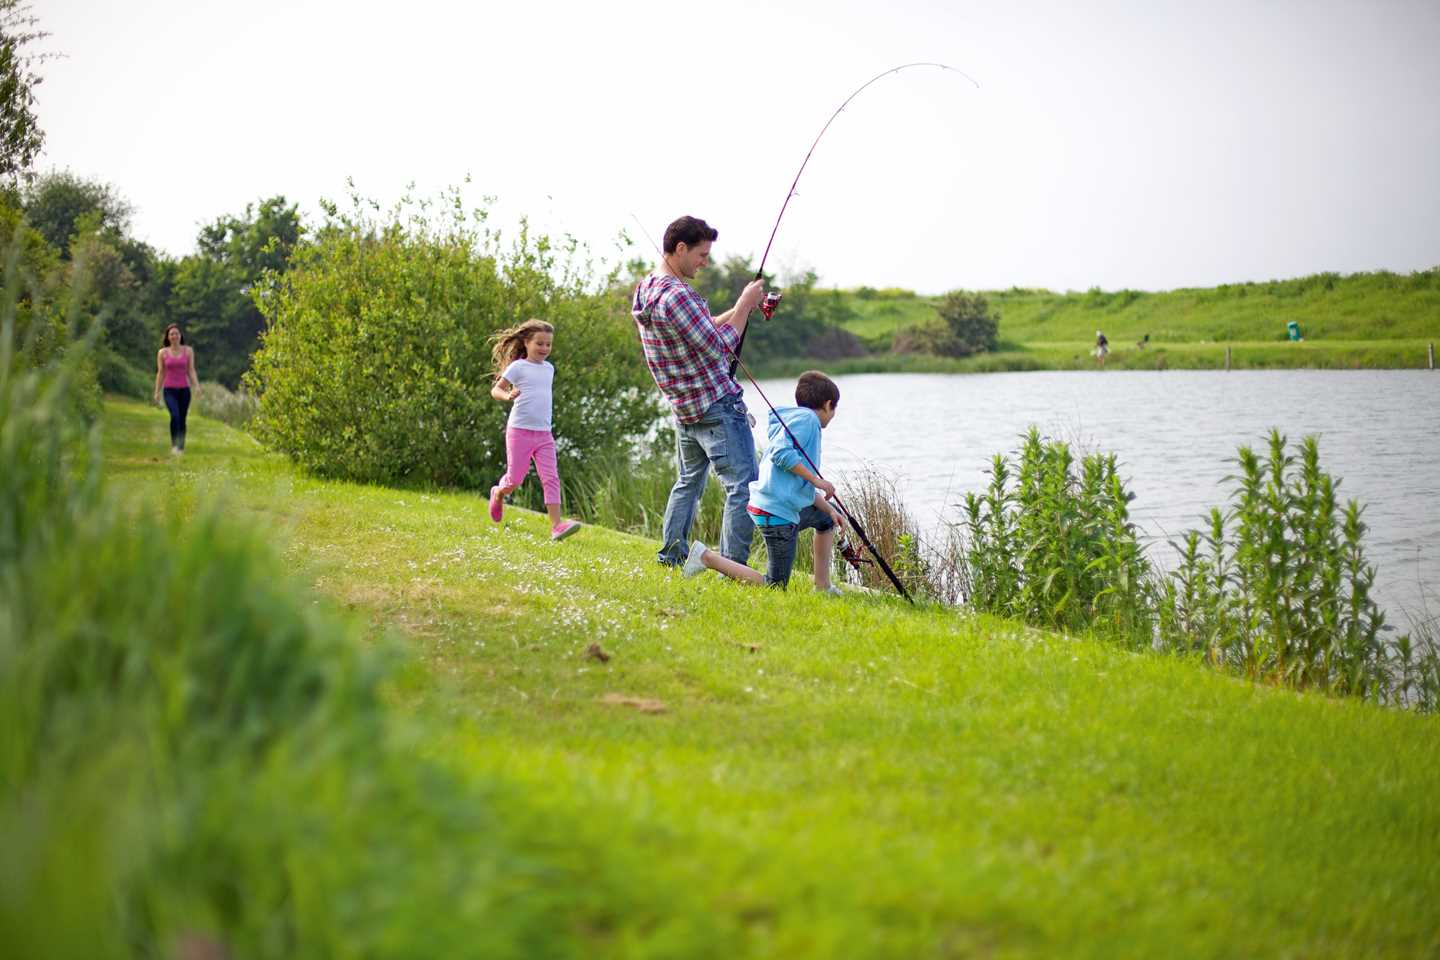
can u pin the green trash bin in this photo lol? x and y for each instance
(1293, 328)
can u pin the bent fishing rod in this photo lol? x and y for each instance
(773, 300)
(850, 554)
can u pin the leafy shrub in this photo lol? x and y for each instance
(965, 325)
(375, 365)
(834, 344)
(1279, 589)
(118, 375)
(39, 312)
(1058, 549)
(235, 407)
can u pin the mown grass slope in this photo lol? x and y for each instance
(754, 773)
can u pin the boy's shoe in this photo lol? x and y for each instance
(694, 565)
(832, 591)
(497, 505)
(564, 529)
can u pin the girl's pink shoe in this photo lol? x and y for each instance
(564, 529)
(497, 505)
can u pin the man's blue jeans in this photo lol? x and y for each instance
(720, 439)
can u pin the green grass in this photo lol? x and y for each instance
(849, 777)
(1363, 320)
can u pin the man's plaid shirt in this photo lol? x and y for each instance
(688, 355)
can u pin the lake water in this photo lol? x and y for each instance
(1173, 432)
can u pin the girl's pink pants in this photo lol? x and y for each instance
(522, 446)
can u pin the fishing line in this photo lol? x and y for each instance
(772, 301)
(760, 273)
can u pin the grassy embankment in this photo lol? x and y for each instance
(849, 777)
(1377, 320)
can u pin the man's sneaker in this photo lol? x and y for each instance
(497, 505)
(832, 591)
(564, 529)
(694, 565)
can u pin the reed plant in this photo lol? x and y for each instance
(920, 563)
(234, 407)
(1051, 542)
(1279, 588)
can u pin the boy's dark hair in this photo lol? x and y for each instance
(689, 231)
(814, 389)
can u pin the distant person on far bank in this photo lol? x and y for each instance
(1102, 347)
(688, 352)
(175, 376)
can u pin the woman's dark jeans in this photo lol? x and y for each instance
(177, 401)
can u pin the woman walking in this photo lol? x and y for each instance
(175, 374)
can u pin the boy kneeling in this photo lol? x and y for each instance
(788, 496)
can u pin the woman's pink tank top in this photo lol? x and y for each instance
(177, 369)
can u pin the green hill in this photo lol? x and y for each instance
(753, 773)
(1362, 320)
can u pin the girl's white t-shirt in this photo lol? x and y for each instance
(531, 410)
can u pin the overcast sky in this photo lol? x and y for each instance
(1150, 145)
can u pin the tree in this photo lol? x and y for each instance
(964, 325)
(808, 322)
(20, 135)
(260, 240)
(211, 296)
(56, 203)
(117, 279)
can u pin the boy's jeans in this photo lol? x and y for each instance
(720, 439)
(780, 541)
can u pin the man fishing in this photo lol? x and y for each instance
(689, 354)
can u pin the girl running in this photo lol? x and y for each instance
(524, 377)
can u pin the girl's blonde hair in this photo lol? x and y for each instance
(510, 342)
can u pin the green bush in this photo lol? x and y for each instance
(1058, 549)
(965, 325)
(39, 312)
(118, 375)
(1279, 589)
(235, 407)
(375, 364)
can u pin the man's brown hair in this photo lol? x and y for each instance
(691, 231)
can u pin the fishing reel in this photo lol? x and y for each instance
(770, 304)
(851, 553)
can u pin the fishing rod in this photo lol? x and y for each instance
(851, 555)
(770, 305)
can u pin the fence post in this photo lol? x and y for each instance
(1431, 356)
(1227, 358)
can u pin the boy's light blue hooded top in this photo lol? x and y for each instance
(778, 491)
